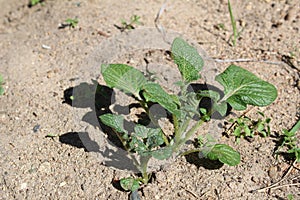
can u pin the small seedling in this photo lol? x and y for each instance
(290, 142)
(71, 22)
(236, 33)
(220, 26)
(290, 197)
(35, 2)
(134, 20)
(241, 88)
(1, 85)
(244, 127)
(50, 135)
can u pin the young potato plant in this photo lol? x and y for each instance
(240, 89)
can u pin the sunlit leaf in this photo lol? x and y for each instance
(188, 60)
(241, 87)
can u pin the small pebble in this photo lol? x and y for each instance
(23, 186)
(45, 47)
(36, 128)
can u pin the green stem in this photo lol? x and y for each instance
(296, 127)
(190, 151)
(175, 122)
(188, 135)
(192, 130)
(143, 168)
(233, 23)
(181, 130)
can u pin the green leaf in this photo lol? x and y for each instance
(210, 94)
(154, 93)
(163, 153)
(221, 108)
(224, 154)
(130, 184)
(137, 145)
(237, 131)
(141, 131)
(155, 138)
(123, 77)
(242, 88)
(114, 121)
(188, 60)
(154, 135)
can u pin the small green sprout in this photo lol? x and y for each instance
(134, 20)
(220, 26)
(51, 135)
(35, 2)
(290, 197)
(71, 22)
(290, 142)
(1, 85)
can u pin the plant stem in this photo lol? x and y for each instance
(181, 130)
(143, 168)
(233, 23)
(175, 122)
(296, 127)
(190, 151)
(188, 135)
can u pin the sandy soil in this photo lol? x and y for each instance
(40, 62)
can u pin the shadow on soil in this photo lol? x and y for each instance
(74, 139)
(194, 159)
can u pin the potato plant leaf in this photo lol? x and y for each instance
(224, 154)
(241, 87)
(209, 93)
(130, 184)
(162, 153)
(123, 77)
(188, 60)
(153, 136)
(114, 121)
(153, 92)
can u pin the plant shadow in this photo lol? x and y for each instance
(95, 100)
(74, 139)
(206, 163)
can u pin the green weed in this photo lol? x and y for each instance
(246, 127)
(290, 142)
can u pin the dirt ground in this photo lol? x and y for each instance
(40, 62)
